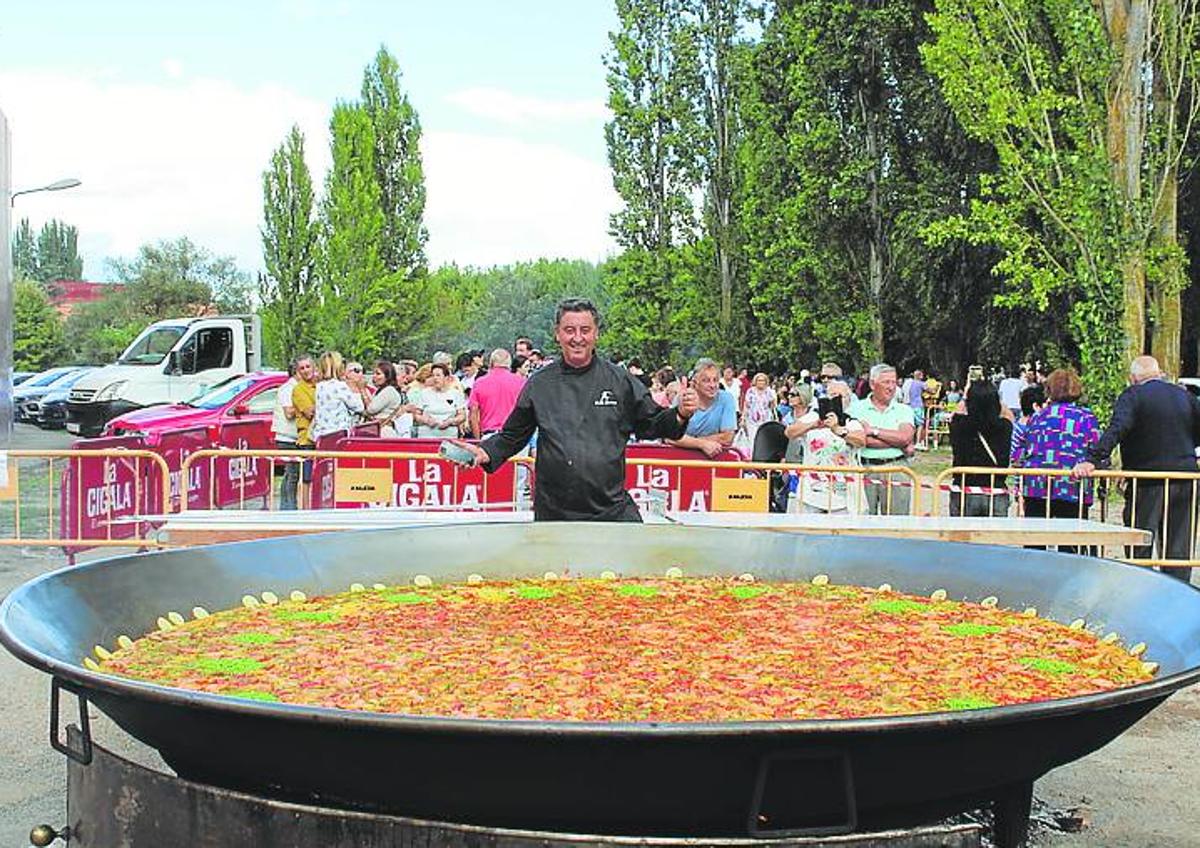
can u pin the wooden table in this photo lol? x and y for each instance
(198, 527)
(204, 527)
(991, 531)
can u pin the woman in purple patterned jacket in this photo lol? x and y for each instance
(1057, 436)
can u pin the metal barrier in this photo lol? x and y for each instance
(858, 489)
(849, 488)
(1163, 502)
(101, 496)
(381, 481)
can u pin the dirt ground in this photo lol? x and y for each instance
(1135, 793)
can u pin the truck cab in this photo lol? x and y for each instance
(169, 361)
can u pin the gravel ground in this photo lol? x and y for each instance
(1135, 793)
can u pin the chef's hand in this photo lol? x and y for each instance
(481, 456)
(689, 401)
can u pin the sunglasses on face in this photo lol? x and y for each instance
(824, 378)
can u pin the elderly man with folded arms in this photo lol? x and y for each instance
(1157, 425)
(889, 440)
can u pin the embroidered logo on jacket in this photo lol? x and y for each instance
(606, 399)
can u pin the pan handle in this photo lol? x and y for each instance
(803, 793)
(83, 756)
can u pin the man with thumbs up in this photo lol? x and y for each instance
(711, 429)
(584, 409)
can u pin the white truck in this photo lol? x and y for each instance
(169, 361)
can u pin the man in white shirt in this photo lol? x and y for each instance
(1011, 389)
(731, 384)
(283, 427)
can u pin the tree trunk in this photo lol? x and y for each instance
(1167, 289)
(1127, 23)
(875, 245)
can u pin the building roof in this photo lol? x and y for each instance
(65, 295)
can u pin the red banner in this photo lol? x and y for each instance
(686, 489)
(177, 445)
(98, 493)
(432, 483)
(240, 479)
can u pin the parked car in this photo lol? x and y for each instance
(36, 386)
(50, 410)
(247, 397)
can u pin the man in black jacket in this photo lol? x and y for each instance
(583, 409)
(1157, 425)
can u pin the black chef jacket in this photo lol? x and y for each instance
(583, 417)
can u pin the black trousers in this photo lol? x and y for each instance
(1165, 508)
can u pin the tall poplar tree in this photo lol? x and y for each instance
(291, 247)
(359, 296)
(652, 141)
(398, 167)
(58, 252)
(824, 110)
(716, 80)
(24, 252)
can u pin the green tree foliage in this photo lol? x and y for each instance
(38, 340)
(359, 297)
(177, 277)
(58, 252)
(826, 162)
(291, 245)
(652, 141)
(1057, 95)
(24, 252)
(520, 300)
(398, 168)
(718, 65)
(167, 279)
(53, 254)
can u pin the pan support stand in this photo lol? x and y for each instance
(1010, 814)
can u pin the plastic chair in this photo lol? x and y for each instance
(770, 445)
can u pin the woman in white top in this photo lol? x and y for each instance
(341, 397)
(441, 410)
(830, 443)
(387, 406)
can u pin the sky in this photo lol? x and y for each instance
(168, 113)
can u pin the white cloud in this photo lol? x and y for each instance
(511, 108)
(156, 160)
(173, 68)
(185, 157)
(492, 199)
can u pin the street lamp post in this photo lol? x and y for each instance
(6, 281)
(6, 290)
(57, 185)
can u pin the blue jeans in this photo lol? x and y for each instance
(291, 477)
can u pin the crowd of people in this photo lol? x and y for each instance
(826, 419)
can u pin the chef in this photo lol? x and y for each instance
(583, 409)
